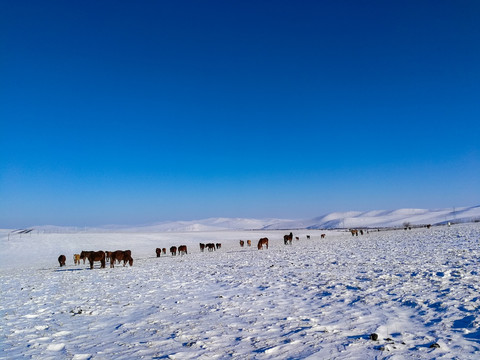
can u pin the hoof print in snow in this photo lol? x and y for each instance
(434, 346)
(374, 337)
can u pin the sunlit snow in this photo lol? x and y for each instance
(320, 298)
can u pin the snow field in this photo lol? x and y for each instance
(316, 299)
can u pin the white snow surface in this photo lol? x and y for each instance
(319, 298)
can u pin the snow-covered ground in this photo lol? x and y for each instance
(419, 290)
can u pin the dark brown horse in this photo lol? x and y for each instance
(202, 247)
(182, 250)
(261, 242)
(84, 255)
(117, 255)
(322, 236)
(287, 239)
(127, 258)
(173, 250)
(218, 245)
(97, 256)
(210, 247)
(164, 251)
(249, 242)
(120, 255)
(242, 243)
(61, 260)
(158, 251)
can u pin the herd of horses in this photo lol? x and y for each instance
(263, 242)
(242, 243)
(126, 255)
(182, 250)
(288, 239)
(210, 247)
(100, 256)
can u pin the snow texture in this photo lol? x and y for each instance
(320, 298)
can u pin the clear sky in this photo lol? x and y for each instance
(133, 112)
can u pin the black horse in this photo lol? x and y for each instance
(287, 239)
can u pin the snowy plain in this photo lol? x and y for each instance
(319, 298)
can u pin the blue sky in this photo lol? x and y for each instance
(136, 112)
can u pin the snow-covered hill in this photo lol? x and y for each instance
(336, 220)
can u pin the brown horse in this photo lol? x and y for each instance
(261, 242)
(249, 242)
(202, 247)
(117, 255)
(164, 251)
(84, 255)
(61, 260)
(182, 250)
(120, 255)
(218, 245)
(287, 239)
(127, 257)
(242, 243)
(76, 259)
(354, 232)
(322, 236)
(308, 236)
(97, 256)
(173, 250)
(158, 251)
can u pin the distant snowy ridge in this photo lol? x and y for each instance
(335, 220)
(396, 218)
